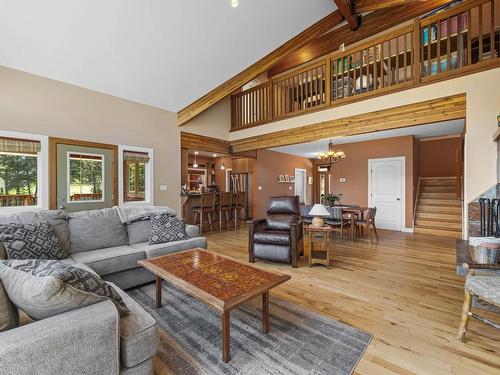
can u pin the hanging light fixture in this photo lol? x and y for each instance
(234, 3)
(331, 156)
(222, 166)
(195, 164)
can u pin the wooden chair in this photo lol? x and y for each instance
(207, 208)
(224, 207)
(345, 223)
(367, 221)
(483, 288)
(239, 206)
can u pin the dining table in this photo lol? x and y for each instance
(353, 213)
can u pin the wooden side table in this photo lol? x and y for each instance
(319, 244)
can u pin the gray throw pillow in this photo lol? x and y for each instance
(9, 314)
(138, 231)
(30, 241)
(43, 288)
(166, 228)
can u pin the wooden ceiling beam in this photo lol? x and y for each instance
(361, 6)
(350, 16)
(373, 23)
(261, 66)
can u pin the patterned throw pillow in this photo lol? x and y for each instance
(166, 228)
(43, 288)
(29, 241)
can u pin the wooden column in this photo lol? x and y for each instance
(184, 166)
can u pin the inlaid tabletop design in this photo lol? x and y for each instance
(221, 277)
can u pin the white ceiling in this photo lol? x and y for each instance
(311, 149)
(165, 53)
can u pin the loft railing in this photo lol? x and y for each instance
(381, 64)
(300, 90)
(460, 40)
(462, 37)
(251, 107)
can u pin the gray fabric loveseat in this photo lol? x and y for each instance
(93, 339)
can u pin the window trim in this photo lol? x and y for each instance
(103, 176)
(42, 172)
(148, 173)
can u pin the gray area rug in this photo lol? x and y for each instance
(299, 341)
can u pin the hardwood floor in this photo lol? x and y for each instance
(403, 290)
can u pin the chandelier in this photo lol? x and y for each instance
(331, 156)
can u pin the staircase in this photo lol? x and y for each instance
(438, 210)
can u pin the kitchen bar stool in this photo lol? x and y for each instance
(224, 208)
(239, 208)
(207, 208)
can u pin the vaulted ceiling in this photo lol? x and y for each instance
(161, 53)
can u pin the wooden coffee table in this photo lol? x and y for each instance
(219, 281)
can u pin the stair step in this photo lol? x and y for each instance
(436, 180)
(450, 195)
(429, 208)
(440, 202)
(439, 216)
(438, 232)
(438, 224)
(438, 189)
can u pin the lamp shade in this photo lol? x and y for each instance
(319, 210)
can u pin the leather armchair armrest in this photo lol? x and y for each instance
(254, 226)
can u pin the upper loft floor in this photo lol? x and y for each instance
(461, 39)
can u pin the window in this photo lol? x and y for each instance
(19, 172)
(85, 177)
(136, 174)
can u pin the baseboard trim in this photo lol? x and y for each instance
(407, 230)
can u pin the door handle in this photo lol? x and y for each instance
(398, 199)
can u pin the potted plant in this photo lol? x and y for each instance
(332, 198)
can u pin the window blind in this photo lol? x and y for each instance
(141, 157)
(21, 146)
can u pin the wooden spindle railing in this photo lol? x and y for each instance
(252, 106)
(380, 64)
(460, 40)
(300, 91)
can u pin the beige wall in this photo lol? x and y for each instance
(214, 122)
(483, 105)
(270, 164)
(33, 104)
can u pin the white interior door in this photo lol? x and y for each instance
(300, 184)
(386, 182)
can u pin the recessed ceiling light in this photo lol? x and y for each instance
(196, 152)
(234, 3)
(214, 155)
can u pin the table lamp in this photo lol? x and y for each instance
(318, 211)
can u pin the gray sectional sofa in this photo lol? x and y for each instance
(93, 339)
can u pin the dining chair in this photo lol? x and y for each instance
(367, 220)
(206, 208)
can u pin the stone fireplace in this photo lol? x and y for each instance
(493, 192)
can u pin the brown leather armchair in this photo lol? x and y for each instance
(279, 236)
